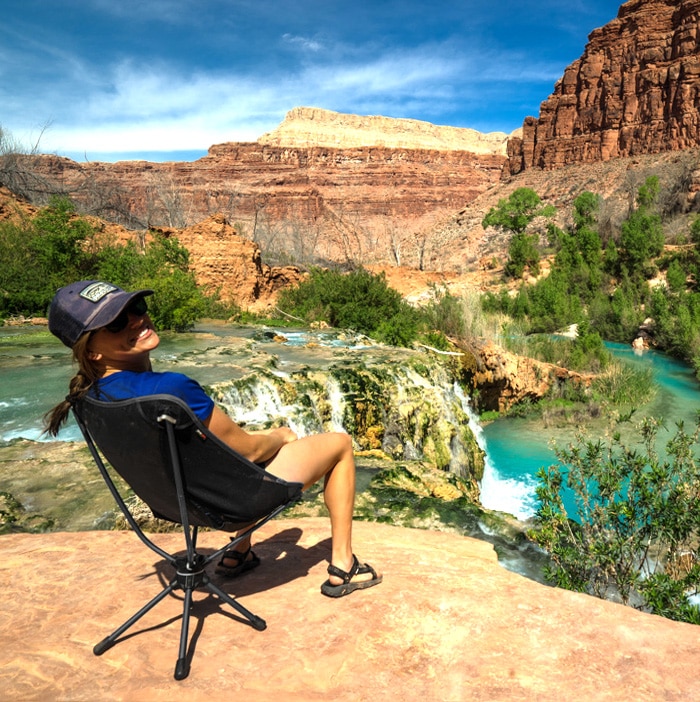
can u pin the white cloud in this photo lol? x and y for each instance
(313, 45)
(154, 106)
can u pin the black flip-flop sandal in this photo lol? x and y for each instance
(243, 563)
(347, 586)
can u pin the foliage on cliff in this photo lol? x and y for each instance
(38, 255)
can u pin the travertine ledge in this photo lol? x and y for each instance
(448, 624)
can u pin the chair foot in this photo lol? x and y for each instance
(258, 623)
(104, 645)
(182, 669)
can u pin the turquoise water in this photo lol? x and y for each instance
(35, 369)
(516, 449)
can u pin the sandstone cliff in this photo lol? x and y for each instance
(635, 90)
(311, 203)
(310, 126)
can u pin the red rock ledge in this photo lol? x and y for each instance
(447, 624)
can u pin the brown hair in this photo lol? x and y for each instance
(82, 381)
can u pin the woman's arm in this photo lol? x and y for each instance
(257, 447)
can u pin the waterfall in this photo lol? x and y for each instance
(409, 409)
(423, 414)
(258, 401)
(337, 403)
(497, 492)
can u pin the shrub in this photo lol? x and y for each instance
(358, 300)
(634, 525)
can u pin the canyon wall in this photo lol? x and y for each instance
(635, 90)
(306, 126)
(299, 198)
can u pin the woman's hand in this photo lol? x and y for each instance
(255, 446)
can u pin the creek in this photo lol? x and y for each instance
(516, 448)
(320, 381)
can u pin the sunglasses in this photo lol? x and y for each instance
(137, 308)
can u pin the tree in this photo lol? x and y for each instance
(675, 276)
(586, 207)
(515, 213)
(641, 234)
(17, 171)
(522, 253)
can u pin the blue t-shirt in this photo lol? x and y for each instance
(127, 384)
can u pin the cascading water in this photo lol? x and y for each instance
(407, 407)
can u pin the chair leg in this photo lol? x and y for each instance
(182, 667)
(110, 640)
(256, 622)
(189, 577)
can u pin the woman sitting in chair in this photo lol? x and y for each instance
(111, 336)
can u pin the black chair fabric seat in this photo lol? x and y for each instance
(186, 475)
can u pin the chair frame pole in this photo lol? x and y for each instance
(190, 574)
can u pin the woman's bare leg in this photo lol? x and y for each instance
(328, 456)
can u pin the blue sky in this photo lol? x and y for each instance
(162, 79)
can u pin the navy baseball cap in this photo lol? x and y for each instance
(85, 306)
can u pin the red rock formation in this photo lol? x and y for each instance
(504, 379)
(365, 204)
(223, 260)
(635, 90)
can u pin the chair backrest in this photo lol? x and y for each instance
(222, 489)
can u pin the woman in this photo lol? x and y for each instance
(111, 336)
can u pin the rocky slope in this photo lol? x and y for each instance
(635, 90)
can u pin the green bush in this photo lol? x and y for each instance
(40, 255)
(358, 300)
(56, 247)
(635, 523)
(445, 314)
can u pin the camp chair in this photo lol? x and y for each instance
(185, 475)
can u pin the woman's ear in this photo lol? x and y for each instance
(93, 356)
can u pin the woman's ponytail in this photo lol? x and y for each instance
(78, 387)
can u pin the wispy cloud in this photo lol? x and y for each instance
(305, 43)
(190, 73)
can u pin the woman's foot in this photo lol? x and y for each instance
(235, 562)
(341, 582)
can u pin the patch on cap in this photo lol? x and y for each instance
(96, 291)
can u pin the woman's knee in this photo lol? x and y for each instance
(345, 440)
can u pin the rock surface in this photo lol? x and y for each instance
(448, 624)
(635, 90)
(224, 260)
(503, 379)
(312, 126)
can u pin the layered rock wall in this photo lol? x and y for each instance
(635, 90)
(315, 203)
